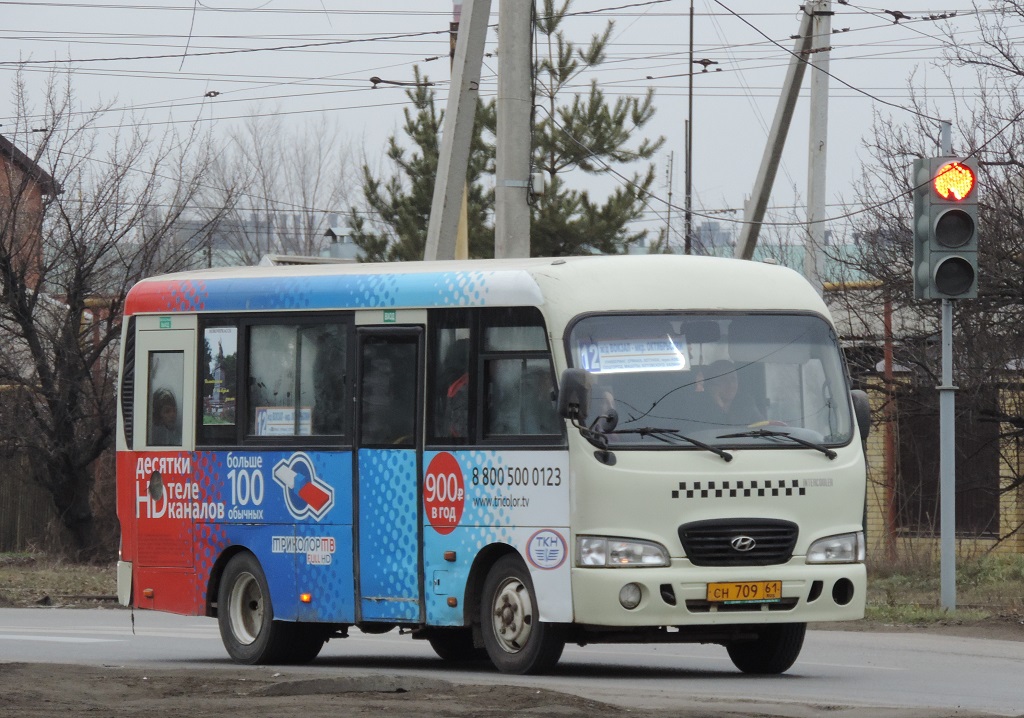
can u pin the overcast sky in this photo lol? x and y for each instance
(304, 58)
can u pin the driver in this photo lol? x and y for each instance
(726, 405)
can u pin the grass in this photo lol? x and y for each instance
(28, 579)
(909, 592)
(989, 587)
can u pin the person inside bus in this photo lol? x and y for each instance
(725, 403)
(454, 383)
(165, 429)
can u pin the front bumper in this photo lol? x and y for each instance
(676, 595)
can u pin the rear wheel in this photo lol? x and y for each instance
(245, 615)
(774, 651)
(456, 645)
(514, 636)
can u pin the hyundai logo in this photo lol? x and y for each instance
(743, 544)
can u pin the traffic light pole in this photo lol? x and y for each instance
(947, 465)
(947, 441)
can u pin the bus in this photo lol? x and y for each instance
(496, 456)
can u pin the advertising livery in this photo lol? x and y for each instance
(498, 456)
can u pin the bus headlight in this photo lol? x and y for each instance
(844, 548)
(614, 552)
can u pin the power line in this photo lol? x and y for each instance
(818, 69)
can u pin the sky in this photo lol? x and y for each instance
(219, 61)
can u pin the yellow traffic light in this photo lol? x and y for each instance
(954, 181)
(945, 227)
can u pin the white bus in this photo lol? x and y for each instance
(497, 456)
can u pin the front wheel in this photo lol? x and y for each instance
(774, 651)
(455, 645)
(514, 636)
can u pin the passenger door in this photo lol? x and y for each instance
(389, 455)
(164, 431)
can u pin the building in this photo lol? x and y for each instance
(23, 187)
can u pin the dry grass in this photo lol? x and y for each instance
(908, 593)
(32, 580)
(989, 586)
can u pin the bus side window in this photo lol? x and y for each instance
(297, 380)
(325, 377)
(451, 409)
(519, 380)
(219, 381)
(451, 377)
(522, 402)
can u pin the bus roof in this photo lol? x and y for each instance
(563, 286)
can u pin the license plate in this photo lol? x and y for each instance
(745, 592)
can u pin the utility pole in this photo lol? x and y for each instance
(457, 134)
(513, 151)
(688, 209)
(814, 255)
(668, 214)
(755, 208)
(462, 235)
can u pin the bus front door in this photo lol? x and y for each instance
(389, 454)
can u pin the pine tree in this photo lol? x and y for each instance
(397, 208)
(587, 133)
(590, 134)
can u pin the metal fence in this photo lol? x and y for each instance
(28, 520)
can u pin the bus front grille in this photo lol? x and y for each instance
(738, 542)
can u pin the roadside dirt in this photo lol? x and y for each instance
(38, 690)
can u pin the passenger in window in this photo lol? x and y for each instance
(166, 424)
(454, 383)
(726, 404)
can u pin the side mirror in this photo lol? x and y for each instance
(862, 410)
(574, 394)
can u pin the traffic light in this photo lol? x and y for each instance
(945, 228)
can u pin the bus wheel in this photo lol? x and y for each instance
(515, 638)
(774, 651)
(456, 645)
(304, 642)
(245, 614)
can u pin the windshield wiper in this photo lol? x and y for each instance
(662, 434)
(753, 433)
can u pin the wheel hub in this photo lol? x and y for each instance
(512, 616)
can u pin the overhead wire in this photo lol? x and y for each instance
(413, 36)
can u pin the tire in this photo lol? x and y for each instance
(774, 651)
(303, 642)
(246, 616)
(455, 645)
(515, 638)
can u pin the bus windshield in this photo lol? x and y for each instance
(724, 379)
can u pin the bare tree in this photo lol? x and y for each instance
(68, 257)
(279, 185)
(989, 347)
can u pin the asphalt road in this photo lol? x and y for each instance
(837, 669)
